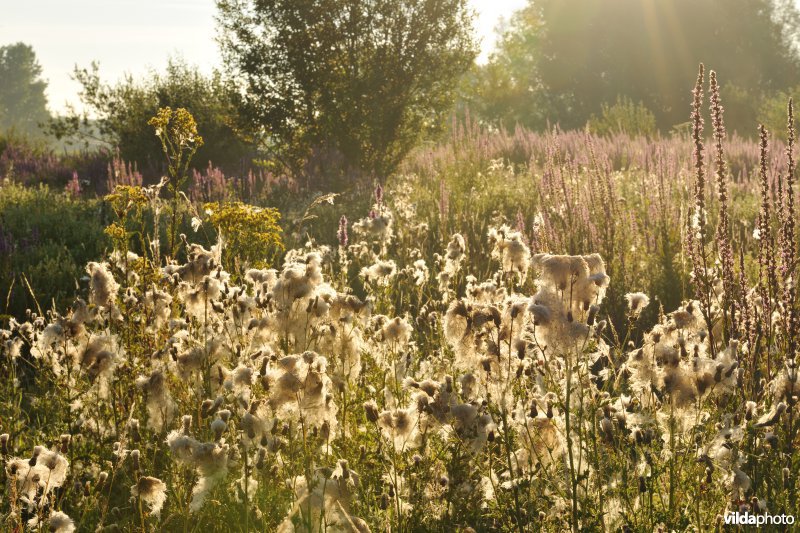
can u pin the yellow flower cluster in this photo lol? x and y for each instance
(250, 233)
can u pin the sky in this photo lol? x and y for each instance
(132, 36)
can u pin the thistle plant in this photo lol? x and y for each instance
(396, 377)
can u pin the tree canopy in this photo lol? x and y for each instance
(559, 61)
(121, 110)
(23, 104)
(357, 82)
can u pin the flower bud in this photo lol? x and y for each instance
(135, 458)
(593, 310)
(37, 450)
(65, 440)
(218, 426)
(371, 410)
(186, 423)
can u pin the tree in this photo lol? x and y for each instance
(121, 112)
(358, 80)
(507, 89)
(23, 104)
(573, 56)
(623, 117)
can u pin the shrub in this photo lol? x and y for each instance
(124, 108)
(251, 234)
(623, 117)
(47, 238)
(27, 161)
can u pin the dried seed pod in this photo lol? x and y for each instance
(135, 458)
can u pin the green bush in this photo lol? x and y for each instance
(623, 117)
(122, 110)
(46, 238)
(773, 112)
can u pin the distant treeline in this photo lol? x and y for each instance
(338, 92)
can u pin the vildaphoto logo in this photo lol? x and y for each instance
(758, 520)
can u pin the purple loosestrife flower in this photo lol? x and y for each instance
(697, 234)
(723, 225)
(443, 198)
(73, 187)
(342, 233)
(520, 222)
(767, 286)
(788, 251)
(122, 173)
(209, 186)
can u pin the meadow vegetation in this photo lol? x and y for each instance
(516, 331)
